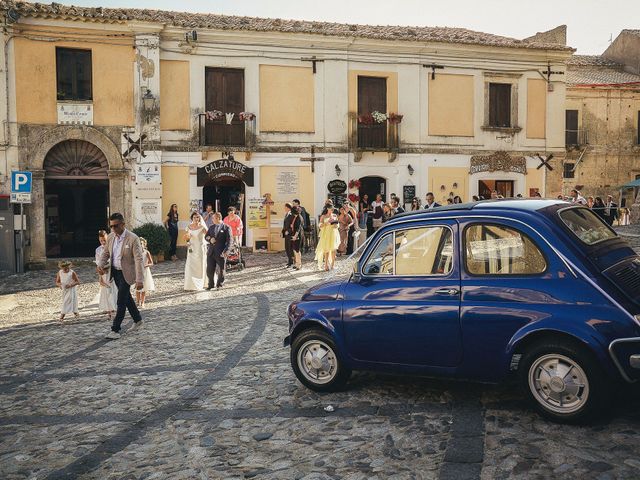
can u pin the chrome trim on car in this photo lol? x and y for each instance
(634, 361)
(615, 359)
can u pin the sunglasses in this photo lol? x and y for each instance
(115, 225)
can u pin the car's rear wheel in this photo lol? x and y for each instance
(317, 363)
(564, 382)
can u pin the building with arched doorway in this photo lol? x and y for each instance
(116, 106)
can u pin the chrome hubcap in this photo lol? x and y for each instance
(558, 383)
(317, 361)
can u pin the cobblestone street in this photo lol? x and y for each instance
(205, 390)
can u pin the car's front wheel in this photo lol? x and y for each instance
(317, 362)
(564, 382)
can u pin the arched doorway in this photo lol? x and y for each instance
(372, 186)
(223, 193)
(76, 186)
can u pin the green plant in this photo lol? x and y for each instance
(156, 236)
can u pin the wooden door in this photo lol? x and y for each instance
(224, 91)
(372, 96)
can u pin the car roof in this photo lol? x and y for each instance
(515, 205)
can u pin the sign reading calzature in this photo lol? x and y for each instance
(287, 183)
(225, 168)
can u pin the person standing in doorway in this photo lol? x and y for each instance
(287, 233)
(171, 224)
(124, 257)
(219, 240)
(207, 215)
(235, 224)
(611, 210)
(378, 212)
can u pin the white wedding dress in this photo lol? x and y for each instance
(195, 269)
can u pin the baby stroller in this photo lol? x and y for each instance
(234, 258)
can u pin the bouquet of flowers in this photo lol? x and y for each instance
(379, 117)
(353, 198)
(246, 116)
(394, 118)
(213, 115)
(354, 184)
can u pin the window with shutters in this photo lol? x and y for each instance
(571, 128)
(372, 97)
(224, 92)
(73, 74)
(500, 105)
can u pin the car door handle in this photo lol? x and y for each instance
(448, 291)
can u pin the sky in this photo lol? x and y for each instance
(591, 23)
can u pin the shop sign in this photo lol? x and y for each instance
(408, 193)
(256, 213)
(225, 168)
(148, 173)
(337, 187)
(498, 162)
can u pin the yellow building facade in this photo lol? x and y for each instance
(171, 117)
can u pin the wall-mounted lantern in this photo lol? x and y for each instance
(338, 170)
(148, 101)
(410, 169)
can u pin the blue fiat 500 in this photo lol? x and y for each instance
(539, 289)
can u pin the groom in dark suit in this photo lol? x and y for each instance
(219, 240)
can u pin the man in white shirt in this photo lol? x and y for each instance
(577, 198)
(123, 257)
(431, 202)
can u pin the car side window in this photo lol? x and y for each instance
(380, 262)
(424, 251)
(414, 251)
(499, 250)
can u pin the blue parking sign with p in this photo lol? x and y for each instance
(20, 182)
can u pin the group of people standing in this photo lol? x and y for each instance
(296, 222)
(608, 210)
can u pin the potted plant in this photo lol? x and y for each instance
(157, 239)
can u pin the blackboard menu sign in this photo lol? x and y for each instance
(408, 193)
(337, 187)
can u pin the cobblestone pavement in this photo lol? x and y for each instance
(205, 390)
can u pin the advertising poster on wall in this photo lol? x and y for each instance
(256, 213)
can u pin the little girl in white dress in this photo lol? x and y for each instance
(108, 295)
(147, 281)
(68, 281)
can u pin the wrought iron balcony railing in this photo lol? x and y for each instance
(238, 133)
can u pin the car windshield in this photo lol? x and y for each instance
(586, 225)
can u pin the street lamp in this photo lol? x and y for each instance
(410, 168)
(338, 170)
(148, 101)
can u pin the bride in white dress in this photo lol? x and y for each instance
(195, 269)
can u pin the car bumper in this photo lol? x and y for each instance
(625, 353)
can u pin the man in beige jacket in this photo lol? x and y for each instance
(123, 256)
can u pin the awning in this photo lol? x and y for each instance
(633, 184)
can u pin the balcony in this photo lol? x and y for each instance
(576, 138)
(373, 137)
(239, 134)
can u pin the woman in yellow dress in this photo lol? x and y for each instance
(328, 240)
